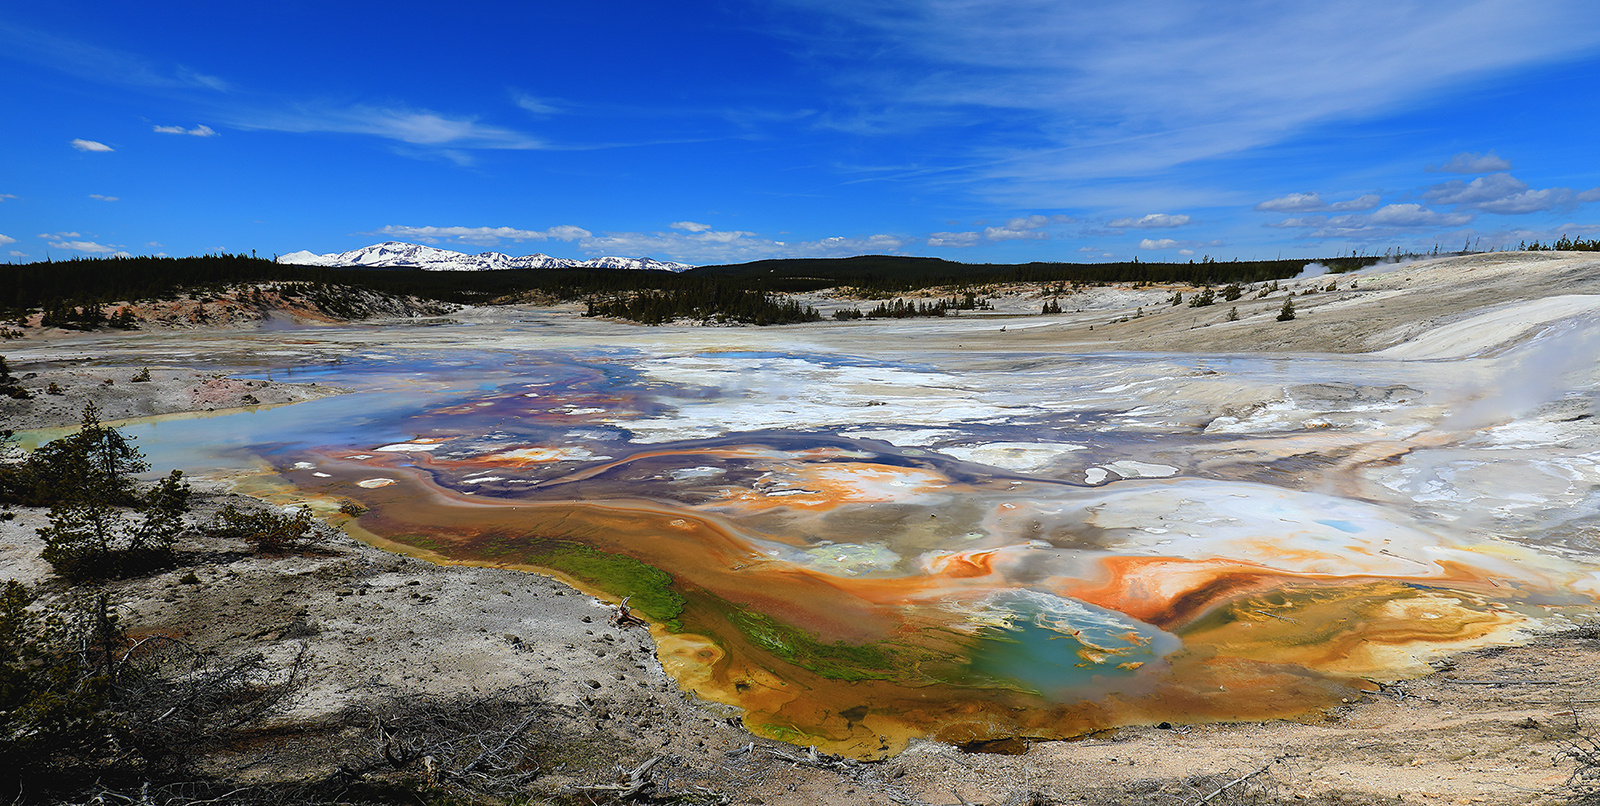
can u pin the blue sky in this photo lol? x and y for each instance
(735, 130)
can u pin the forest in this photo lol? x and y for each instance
(69, 291)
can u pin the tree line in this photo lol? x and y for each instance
(702, 300)
(1564, 244)
(72, 293)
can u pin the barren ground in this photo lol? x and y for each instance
(1491, 726)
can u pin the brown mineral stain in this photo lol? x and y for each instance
(860, 665)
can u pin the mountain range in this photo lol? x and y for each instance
(398, 255)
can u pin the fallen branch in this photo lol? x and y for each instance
(812, 758)
(625, 617)
(1241, 779)
(629, 784)
(515, 732)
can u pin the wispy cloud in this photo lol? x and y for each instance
(732, 246)
(1469, 163)
(689, 226)
(417, 127)
(537, 106)
(101, 65)
(5, 240)
(397, 122)
(98, 197)
(483, 236)
(1313, 203)
(5, 196)
(1098, 89)
(701, 244)
(199, 131)
(1151, 221)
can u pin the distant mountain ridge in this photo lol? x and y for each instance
(399, 255)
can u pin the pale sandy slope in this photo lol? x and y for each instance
(1484, 301)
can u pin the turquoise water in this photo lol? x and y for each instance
(1063, 648)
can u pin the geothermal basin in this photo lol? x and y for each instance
(863, 533)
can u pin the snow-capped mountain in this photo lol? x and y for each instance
(398, 255)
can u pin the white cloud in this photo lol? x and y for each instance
(1504, 194)
(61, 235)
(1184, 247)
(1469, 163)
(90, 145)
(1293, 203)
(1313, 203)
(6, 240)
(15, 253)
(199, 131)
(99, 197)
(1009, 234)
(1389, 219)
(734, 246)
(1303, 221)
(1528, 201)
(567, 232)
(1164, 243)
(86, 246)
(1022, 228)
(689, 226)
(4, 196)
(153, 243)
(1034, 221)
(1028, 227)
(1483, 189)
(955, 239)
(483, 236)
(1151, 221)
(1366, 202)
(1410, 215)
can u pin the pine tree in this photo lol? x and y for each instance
(99, 525)
(1287, 311)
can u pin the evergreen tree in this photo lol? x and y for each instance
(99, 525)
(54, 688)
(1287, 311)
